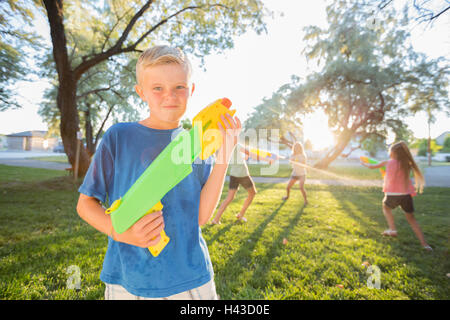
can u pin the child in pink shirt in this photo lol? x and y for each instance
(399, 190)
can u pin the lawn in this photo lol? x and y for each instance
(284, 251)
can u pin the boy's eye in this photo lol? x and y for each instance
(181, 87)
(157, 88)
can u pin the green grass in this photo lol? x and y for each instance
(60, 158)
(41, 236)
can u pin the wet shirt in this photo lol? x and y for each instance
(297, 169)
(237, 166)
(126, 150)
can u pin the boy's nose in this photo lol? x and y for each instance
(171, 94)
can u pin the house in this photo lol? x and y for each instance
(441, 138)
(30, 140)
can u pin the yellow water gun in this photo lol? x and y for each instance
(211, 139)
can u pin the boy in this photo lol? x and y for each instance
(183, 269)
(239, 174)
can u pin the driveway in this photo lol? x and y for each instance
(437, 176)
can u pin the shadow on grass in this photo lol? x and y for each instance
(361, 211)
(240, 261)
(262, 270)
(401, 257)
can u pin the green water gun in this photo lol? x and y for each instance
(169, 168)
(373, 161)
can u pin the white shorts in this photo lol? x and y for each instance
(204, 292)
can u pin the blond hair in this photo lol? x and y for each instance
(407, 163)
(159, 55)
(297, 148)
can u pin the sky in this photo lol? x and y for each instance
(255, 68)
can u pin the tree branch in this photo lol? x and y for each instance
(133, 46)
(117, 48)
(94, 91)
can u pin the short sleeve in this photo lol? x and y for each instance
(100, 173)
(206, 170)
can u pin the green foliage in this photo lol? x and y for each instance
(369, 77)
(373, 144)
(272, 112)
(446, 145)
(104, 40)
(105, 92)
(196, 26)
(422, 144)
(14, 40)
(186, 124)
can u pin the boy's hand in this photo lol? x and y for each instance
(230, 136)
(145, 232)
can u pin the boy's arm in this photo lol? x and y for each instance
(210, 194)
(144, 233)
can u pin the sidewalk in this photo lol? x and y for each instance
(343, 182)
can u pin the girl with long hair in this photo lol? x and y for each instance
(399, 190)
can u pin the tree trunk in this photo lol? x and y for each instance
(90, 145)
(429, 143)
(69, 126)
(343, 140)
(66, 97)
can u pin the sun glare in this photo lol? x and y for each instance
(316, 131)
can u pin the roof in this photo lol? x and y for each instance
(32, 133)
(443, 134)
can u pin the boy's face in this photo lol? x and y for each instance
(166, 90)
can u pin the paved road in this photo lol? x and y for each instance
(20, 159)
(438, 176)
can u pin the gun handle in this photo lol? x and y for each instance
(156, 249)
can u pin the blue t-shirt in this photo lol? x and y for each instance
(124, 153)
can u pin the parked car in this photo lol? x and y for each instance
(59, 148)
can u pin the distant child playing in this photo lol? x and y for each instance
(183, 270)
(398, 188)
(239, 175)
(297, 160)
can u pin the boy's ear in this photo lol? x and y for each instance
(138, 89)
(193, 88)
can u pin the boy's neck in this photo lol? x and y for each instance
(159, 124)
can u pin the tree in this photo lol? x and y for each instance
(426, 11)
(430, 95)
(366, 74)
(105, 92)
(272, 113)
(373, 144)
(118, 28)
